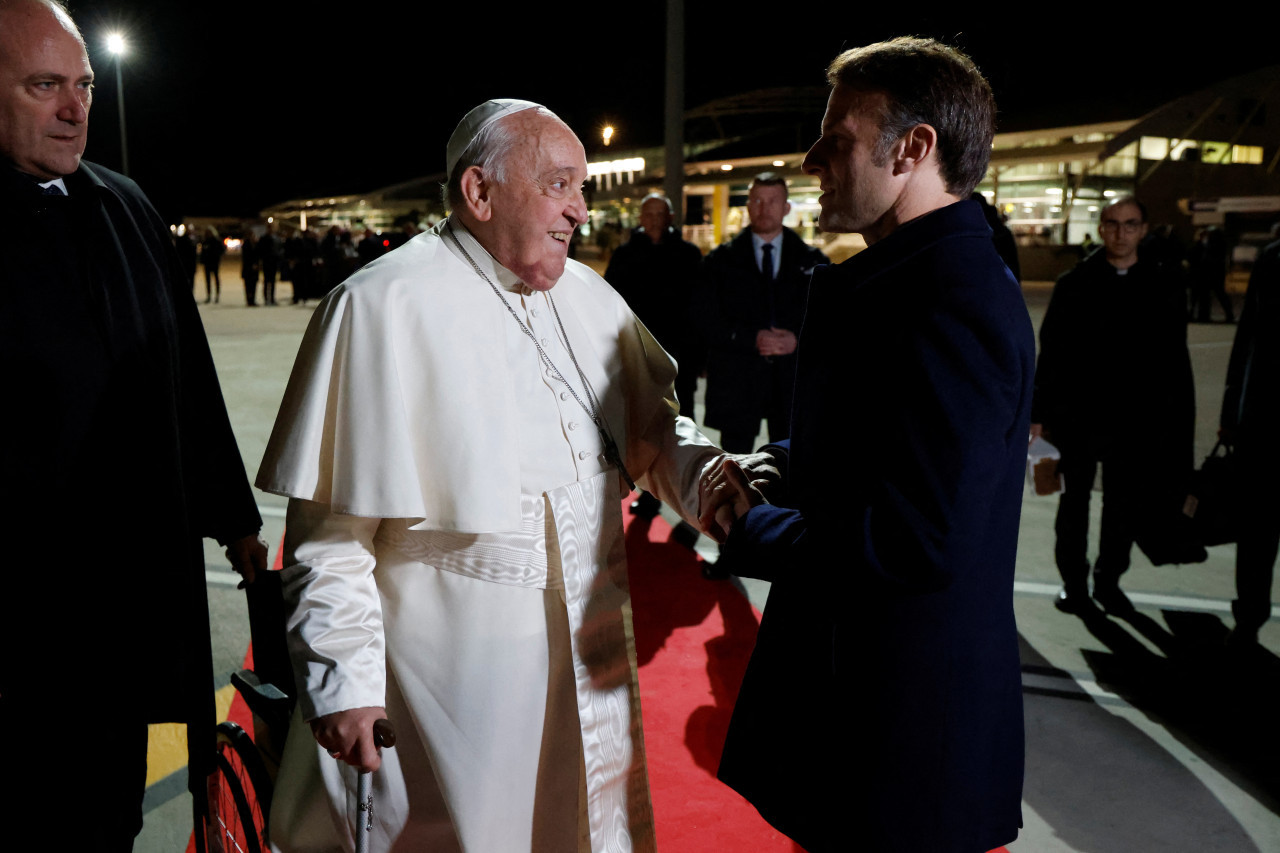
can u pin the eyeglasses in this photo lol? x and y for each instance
(1129, 226)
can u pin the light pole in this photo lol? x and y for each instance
(116, 45)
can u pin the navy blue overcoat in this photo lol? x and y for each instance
(882, 708)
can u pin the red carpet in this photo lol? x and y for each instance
(693, 639)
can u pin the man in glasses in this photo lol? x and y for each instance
(1114, 386)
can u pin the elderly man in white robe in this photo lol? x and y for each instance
(456, 444)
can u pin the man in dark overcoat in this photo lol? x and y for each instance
(657, 273)
(1251, 425)
(116, 457)
(1114, 388)
(753, 310)
(882, 707)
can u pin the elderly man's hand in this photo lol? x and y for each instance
(248, 556)
(730, 486)
(348, 736)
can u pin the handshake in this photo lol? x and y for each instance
(732, 484)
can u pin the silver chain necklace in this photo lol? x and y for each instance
(592, 405)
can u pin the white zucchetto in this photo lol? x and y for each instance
(477, 120)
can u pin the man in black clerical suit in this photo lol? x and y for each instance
(1114, 387)
(116, 457)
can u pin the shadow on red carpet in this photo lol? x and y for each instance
(693, 640)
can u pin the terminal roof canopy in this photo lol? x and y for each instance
(1234, 111)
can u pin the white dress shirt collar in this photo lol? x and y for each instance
(56, 182)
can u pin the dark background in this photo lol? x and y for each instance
(234, 106)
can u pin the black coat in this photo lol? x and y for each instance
(1251, 400)
(116, 457)
(882, 707)
(1114, 363)
(659, 281)
(742, 385)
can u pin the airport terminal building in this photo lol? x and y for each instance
(1210, 158)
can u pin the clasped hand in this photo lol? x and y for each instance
(775, 341)
(730, 486)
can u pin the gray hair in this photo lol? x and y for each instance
(660, 197)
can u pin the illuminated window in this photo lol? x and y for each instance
(1153, 148)
(1124, 163)
(1246, 154)
(1215, 152)
(1180, 149)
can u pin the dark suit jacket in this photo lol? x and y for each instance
(882, 707)
(116, 457)
(742, 386)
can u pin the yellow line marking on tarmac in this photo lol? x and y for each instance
(167, 742)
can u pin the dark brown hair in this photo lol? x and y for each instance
(926, 82)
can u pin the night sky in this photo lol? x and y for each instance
(234, 106)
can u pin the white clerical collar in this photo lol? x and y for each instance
(56, 182)
(504, 277)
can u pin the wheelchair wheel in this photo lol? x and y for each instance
(239, 795)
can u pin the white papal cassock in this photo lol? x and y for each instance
(454, 552)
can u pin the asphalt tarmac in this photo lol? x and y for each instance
(1142, 735)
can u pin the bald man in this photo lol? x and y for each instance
(115, 453)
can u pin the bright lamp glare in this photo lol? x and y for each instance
(116, 43)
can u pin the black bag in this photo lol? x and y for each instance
(1170, 538)
(1214, 504)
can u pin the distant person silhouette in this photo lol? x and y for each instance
(1251, 425)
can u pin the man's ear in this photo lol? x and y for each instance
(475, 193)
(918, 145)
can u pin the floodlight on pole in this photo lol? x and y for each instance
(118, 46)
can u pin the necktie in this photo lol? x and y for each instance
(766, 262)
(52, 189)
(766, 269)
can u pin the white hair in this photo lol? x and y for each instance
(490, 151)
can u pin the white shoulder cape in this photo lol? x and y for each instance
(400, 403)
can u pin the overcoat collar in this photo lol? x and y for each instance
(961, 219)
